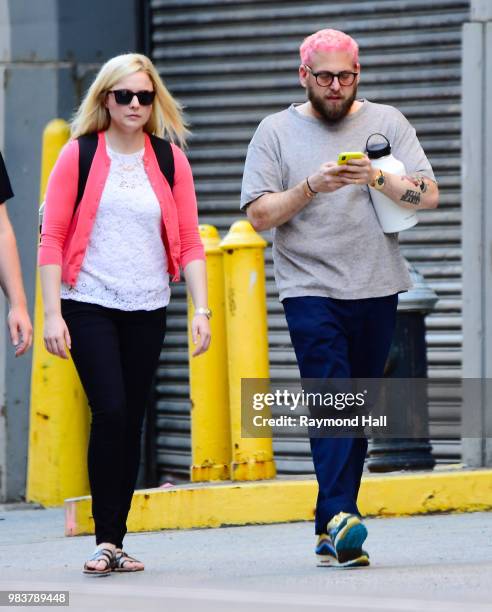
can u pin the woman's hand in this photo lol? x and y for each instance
(196, 279)
(200, 332)
(20, 329)
(56, 335)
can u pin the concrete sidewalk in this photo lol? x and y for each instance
(427, 563)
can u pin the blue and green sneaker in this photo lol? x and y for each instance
(347, 534)
(325, 551)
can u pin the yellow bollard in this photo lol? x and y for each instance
(59, 420)
(209, 389)
(247, 342)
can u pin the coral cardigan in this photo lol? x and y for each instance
(64, 236)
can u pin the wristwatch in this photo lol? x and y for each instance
(204, 311)
(378, 182)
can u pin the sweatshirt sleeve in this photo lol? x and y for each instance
(407, 148)
(61, 194)
(185, 198)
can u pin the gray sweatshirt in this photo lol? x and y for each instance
(335, 246)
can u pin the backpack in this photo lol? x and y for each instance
(87, 150)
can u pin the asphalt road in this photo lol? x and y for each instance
(419, 564)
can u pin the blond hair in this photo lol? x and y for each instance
(166, 119)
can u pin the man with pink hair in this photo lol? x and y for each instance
(337, 273)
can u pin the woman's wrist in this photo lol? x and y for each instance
(203, 310)
(52, 313)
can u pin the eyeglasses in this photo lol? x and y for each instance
(325, 78)
(125, 96)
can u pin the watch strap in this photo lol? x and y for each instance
(204, 311)
(378, 182)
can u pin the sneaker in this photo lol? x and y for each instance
(325, 551)
(326, 555)
(347, 533)
(348, 559)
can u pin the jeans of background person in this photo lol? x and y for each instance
(340, 339)
(116, 354)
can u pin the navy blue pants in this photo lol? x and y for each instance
(340, 339)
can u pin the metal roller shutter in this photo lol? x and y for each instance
(232, 62)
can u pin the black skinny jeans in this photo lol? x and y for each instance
(116, 354)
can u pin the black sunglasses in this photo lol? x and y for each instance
(125, 96)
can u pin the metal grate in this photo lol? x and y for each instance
(233, 62)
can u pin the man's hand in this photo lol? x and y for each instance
(358, 171)
(329, 178)
(415, 192)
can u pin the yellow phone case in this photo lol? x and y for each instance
(346, 155)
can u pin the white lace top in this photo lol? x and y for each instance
(125, 264)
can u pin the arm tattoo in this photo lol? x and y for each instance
(423, 185)
(418, 180)
(412, 197)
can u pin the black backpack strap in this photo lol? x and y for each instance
(164, 153)
(87, 150)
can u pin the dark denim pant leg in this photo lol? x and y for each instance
(339, 339)
(369, 346)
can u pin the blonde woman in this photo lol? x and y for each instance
(119, 221)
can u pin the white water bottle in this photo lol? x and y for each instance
(391, 216)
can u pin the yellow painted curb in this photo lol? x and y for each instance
(279, 501)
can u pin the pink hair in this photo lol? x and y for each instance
(328, 40)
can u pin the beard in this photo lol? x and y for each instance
(331, 113)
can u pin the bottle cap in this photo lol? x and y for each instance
(378, 149)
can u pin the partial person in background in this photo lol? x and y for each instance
(109, 248)
(18, 320)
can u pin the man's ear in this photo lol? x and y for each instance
(357, 69)
(303, 74)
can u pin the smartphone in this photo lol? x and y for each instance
(346, 155)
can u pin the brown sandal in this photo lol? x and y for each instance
(100, 554)
(119, 560)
